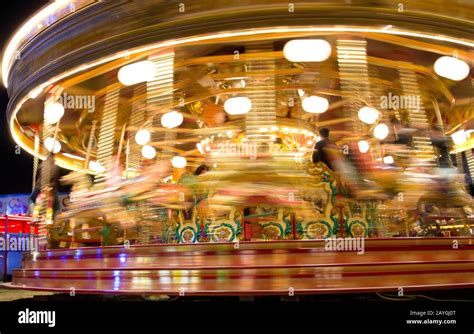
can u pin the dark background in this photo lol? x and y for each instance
(16, 170)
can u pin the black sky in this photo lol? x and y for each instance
(16, 170)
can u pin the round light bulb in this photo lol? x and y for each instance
(52, 145)
(141, 71)
(96, 166)
(363, 146)
(451, 68)
(315, 104)
(53, 112)
(142, 137)
(381, 131)
(388, 160)
(148, 152)
(172, 119)
(368, 115)
(307, 50)
(178, 162)
(237, 105)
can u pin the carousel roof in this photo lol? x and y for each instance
(223, 49)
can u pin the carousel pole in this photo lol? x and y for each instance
(122, 138)
(439, 119)
(82, 182)
(159, 98)
(262, 115)
(417, 117)
(33, 186)
(35, 161)
(89, 145)
(44, 210)
(352, 61)
(105, 143)
(5, 252)
(127, 157)
(50, 198)
(136, 122)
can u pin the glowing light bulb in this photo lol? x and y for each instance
(315, 104)
(53, 112)
(368, 115)
(148, 152)
(451, 68)
(381, 131)
(96, 166)
(363, 146)
(172, 119)
(307, 50)
(52, 145)
(178, 162)
(388, 160)
(142, 137)
(237, 105)
(141, 71)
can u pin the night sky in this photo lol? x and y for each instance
(16, 170)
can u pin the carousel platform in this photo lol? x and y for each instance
(252, 268)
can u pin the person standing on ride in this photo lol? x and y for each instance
(324, 150)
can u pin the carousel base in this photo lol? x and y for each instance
(252, 268)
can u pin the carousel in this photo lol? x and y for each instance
(216, 147)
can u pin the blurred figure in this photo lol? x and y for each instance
(322, 149)
(192, 181)
(114, 176)
(403, 134)
(51, 187)
(400, 144)
(202, 169)
(442, 145)
(105, 234)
